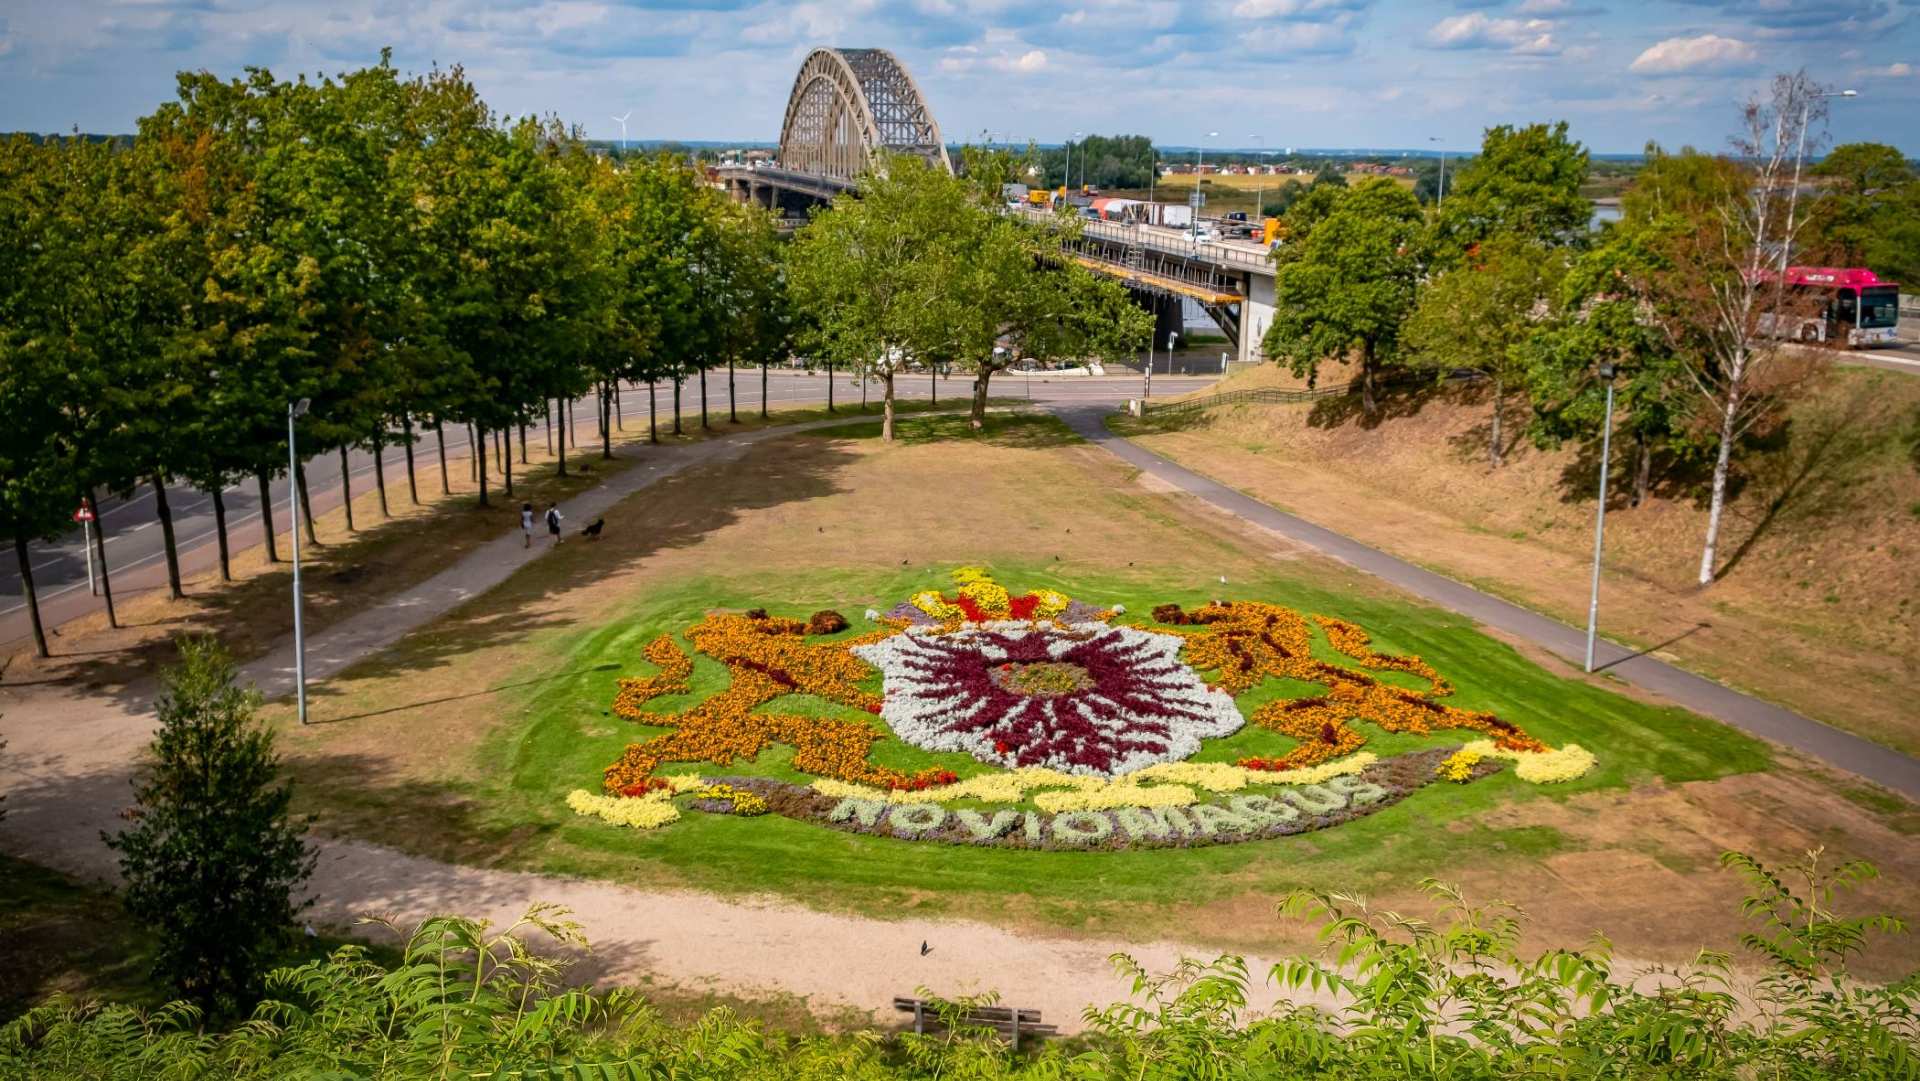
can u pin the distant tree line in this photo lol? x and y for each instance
(1507, 280)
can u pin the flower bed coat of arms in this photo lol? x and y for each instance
(1090, 723)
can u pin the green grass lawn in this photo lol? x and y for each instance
(563, 734)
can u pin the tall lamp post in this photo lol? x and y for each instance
(1600, 514)
(1800, 153)
(296, 410)
(1442, 198)
(1199, 165)
(1067, 180)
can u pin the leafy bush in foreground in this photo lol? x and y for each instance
(1448, 999)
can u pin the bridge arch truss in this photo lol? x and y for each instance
(849, 105)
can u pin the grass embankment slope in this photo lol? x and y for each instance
(1818, 602)
(463, 740)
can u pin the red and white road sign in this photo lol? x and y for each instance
(83, 514)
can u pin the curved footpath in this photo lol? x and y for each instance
(1880, 764)
(71, 754)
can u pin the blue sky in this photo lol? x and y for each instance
(1272, 73)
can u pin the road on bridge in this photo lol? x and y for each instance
(137, 554)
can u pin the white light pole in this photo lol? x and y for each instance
(296, 410)
(1199, 164)
(1067, 180)
(1600, 514)
(1442, 199)
(1800, 152)
(1260, 186)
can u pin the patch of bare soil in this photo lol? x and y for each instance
(1818, 600)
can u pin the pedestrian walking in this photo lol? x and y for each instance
(526, 523)
(553, 521)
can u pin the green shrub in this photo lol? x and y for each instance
(1451, 998)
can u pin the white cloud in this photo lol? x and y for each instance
(1031, 60)
(1557, 8)
(1706, 53)
(965, 58)
(1898, 70)
(1476, 30)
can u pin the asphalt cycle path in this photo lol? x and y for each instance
(1882, 765)
(135, 546)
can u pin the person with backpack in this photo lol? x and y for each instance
(553, 522)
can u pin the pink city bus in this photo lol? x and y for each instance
(1843, 305)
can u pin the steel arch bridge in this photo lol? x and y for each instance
(849, 105)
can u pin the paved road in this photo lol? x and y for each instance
(135, 546)
(1882, 765)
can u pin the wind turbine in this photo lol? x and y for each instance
(622, 121)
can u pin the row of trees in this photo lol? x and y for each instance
(385, 246)
(1506, 280)
(924, 268)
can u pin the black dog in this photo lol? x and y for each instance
(592, 532)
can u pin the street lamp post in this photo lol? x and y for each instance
(1799, 153)
(1442, 198)
(296, 410)
(1067, 180)
(1600, 514)
(1199, 166)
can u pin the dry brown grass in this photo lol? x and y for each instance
(1816, 606)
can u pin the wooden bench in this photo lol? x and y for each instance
(1010, 1020)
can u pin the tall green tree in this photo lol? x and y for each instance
(1869, 212)
(214, 855)
(883, 275)
(1606, 318)
(1345, 290)
(1479, 316)
(1525, 182)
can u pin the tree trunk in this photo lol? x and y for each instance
(266, 515)
(653, 422)
(763, 390)
(863, 394)
(933, 396)
(1493, 443)
(346, 487)
(481, 459)
(619, 415)
(560, 431)
(733, 410)
(474, 452)
(1643, 471)
(33, 599)
(886, 407)
(306, 502)
(1366, 379)
(413, 486)
(523, 442)
(606, 424)
(703, 400)
(506, 463)
(220, 531)
(380, 475)
(100, 552)
(1722, 464)
(440, 437)
(165, 513)
(549, 419)
(829, 386)
(676, 405)
(977, 417)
